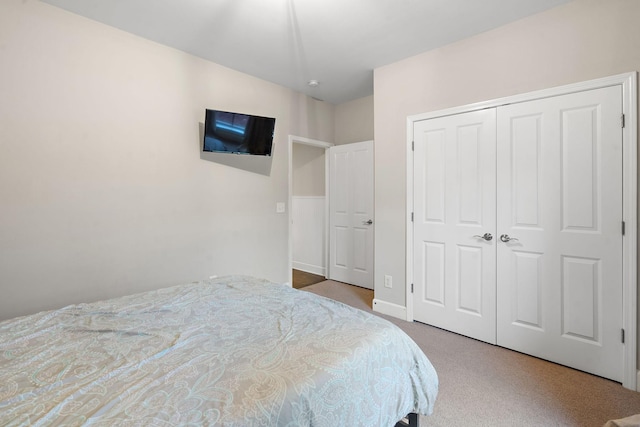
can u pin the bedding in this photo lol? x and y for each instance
(234, 351)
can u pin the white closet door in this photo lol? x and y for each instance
(454, 206)
(559, 190)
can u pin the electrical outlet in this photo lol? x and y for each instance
(280, 207)
(388, 281)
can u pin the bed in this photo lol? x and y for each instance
(234, 351)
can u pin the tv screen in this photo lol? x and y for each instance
(237, 133)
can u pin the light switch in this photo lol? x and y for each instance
(280, 207)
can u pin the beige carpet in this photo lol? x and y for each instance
(485, 385)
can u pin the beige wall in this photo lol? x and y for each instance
(583, 40)
(354, 121)
(102, 189)
(308, 164)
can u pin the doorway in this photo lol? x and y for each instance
(347, 245)
(307, 201)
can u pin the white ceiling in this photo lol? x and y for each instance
(289, 42)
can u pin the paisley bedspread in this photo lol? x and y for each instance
(235, 351)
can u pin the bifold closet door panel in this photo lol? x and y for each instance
(454, 223)
(559, 249)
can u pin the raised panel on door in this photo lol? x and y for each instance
(469, 280)
(351, 213)
(559, 189)
(581, 293)
(431, 288)
(454, 205)
(431, 155)
(526, 290)
(340, 192)
(340, 254)
(339, 227)
(524, 169)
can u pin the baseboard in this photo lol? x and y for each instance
(313, 269)
(390, 309)
(637, 380)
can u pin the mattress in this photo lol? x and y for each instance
(235, 351)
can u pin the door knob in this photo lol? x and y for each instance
(485, 236)
(505, 238)
(368, 222)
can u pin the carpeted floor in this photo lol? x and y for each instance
(486, 385)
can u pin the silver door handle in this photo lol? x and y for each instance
(485, 236)
(505, 238)
(368, 222)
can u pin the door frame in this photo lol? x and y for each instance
(628, 83)
(314, 143)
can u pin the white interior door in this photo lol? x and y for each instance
(351, 213)
(455, 223)
(560, 201)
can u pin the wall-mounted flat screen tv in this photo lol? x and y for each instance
(237, 133)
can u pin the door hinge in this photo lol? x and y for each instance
(413, 145)
(622, 336)
(411, 216)
(623, 227)
(412, 288)
(622, 120)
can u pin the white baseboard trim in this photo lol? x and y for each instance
(637, 380)
(390, 309)
(313, 269)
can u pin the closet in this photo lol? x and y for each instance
(517, 234)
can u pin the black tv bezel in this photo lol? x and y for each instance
(208, 112)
